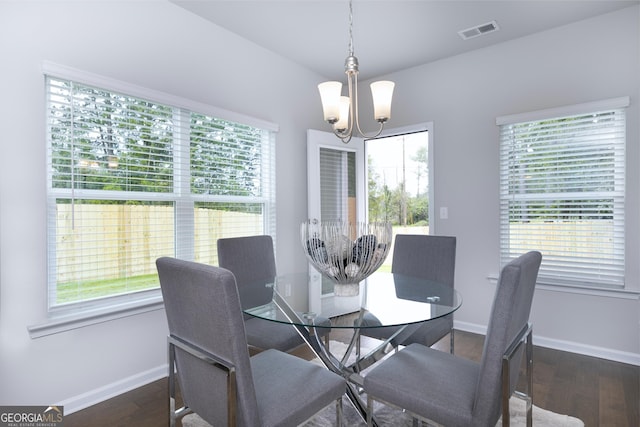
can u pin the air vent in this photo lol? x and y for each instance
(479, 30)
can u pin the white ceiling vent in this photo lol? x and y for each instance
(479, 30)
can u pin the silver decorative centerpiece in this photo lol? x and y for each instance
(346, 253)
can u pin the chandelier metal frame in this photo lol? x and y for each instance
(336, 107)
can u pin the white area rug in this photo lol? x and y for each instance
(387, 416)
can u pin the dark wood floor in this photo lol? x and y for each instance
(599, 392)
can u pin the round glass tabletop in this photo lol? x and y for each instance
(394, 299)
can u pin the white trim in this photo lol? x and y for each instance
(419, 127)
(105, 313)
(562, 345)
(92, 397)
(588, 350)
(85, 77)
(474, 328)
(568, 110)
(582, 290)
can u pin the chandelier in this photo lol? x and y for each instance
(342, 111)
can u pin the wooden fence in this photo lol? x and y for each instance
(101, 242)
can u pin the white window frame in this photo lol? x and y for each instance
(89, 312)
(566, 269)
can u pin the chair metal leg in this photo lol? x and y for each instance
(209, 359)
(369, 411)
(172, 386)
(529, 373)
(339, 414)
(525, 336)
(451, 334)
(506, 417)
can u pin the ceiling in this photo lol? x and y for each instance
(388, 35)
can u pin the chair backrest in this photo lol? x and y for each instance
(509, 315)
(425, 256)
(251, 259)
(203, 309)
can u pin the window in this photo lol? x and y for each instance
(398, 181)
(131, 179)
(562, 190)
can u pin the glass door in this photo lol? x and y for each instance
(336, 191)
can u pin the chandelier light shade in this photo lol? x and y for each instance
(342, 111)
(343, 121)
(330, 97)
(382, 92)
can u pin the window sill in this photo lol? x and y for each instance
(583, 290)
(58, 323)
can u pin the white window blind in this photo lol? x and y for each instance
(232, 182)
(130, 180)
(337, 184)
(562, 189)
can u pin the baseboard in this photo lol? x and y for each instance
(92, 397)
(108, 391)
(569, 346)
(588, 350)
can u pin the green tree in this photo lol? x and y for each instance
(219, 163)
(374, 192)
(421, 158)
(105, 141)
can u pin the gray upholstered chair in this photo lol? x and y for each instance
(426, 257)
(208, 352)
(452, 391)
(251, 259)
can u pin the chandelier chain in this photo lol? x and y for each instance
(350, 28)
(345, 122)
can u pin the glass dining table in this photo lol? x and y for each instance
(398, 301)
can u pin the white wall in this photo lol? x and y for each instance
(153, 44)
(587, 61)
(158, 45)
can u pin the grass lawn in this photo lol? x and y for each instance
(78, 291)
